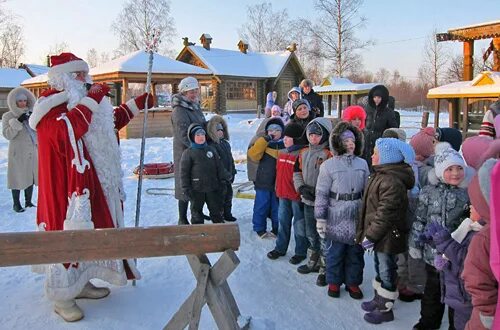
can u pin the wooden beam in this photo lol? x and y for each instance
(465, 117)
(496, 54)
(103, 244)
(339, 106)
(124, 90)
(468, 60)
(330, 105)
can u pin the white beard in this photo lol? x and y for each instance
(102, 145)
(75, 88)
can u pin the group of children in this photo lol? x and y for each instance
(417, 210)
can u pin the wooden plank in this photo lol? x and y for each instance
(181, 318)
(468, 71)
(103, 244)
(199, 297)
(465, 117)
(226, 264)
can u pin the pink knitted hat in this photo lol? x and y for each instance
(423, 142)
(473, 148)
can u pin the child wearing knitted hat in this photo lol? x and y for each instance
(339, 190)
(382, 228)
(446, 202)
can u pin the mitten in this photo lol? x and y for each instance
(367, 245)
(440, 262)
(321, 227)
(140, 101)
(268, 137)
(441, 236)
(98, 91)
(415, 253)
(23, 117)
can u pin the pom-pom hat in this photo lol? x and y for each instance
(66, 63)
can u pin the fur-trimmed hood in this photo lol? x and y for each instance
(468, 171)
(11, 101)
(336, 145)
(383, 92)
(212, 128)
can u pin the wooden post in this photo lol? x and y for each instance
(330, 104)
(465, 117)
(339, 107)
(425, 119)
(496, 54)
(453, 113)
(153, 91)
(468, 60)
(124, 90)
(436, 116)
(349, 99)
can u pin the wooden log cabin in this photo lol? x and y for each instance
(242, 78)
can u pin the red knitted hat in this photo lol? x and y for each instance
(66, 62)
(354, 112)
(477, 198)
(422, 142)
(473, 148)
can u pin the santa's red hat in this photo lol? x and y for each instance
(66, 62)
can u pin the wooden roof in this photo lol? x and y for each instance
(486, 30)
(485, 85)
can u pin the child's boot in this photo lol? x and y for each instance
(312, 263)
(383, 311)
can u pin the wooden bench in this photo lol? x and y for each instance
(193, 241)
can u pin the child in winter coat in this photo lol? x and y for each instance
(339, 190)
(265, 151)
(355, 115)
(203, 177)
(382, 227)
(305, 176)
(289, 200)
(219, 139)
(293, 94)
(478, 276)
(445, 201)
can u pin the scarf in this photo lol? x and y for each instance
(181, 100)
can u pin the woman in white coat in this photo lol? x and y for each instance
(22, 170)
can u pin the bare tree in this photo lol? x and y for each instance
(92, 58)
(55, 49)
(11, 39)
(433, 69)
(336, 28)
(266, 30)
(137, 21)
(382, 76)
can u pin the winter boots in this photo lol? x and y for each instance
(333, 290)
(28, 194)
(15, 198)
(296, 259)
(312, 265)
(380, 307)
(275, 254)
(321, 280)
(92, 292)
(68, 310)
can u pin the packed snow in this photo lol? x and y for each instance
(273, 293)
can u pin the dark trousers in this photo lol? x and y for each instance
(228, 202)
(214, 204)
(431, 308)
(344, 263)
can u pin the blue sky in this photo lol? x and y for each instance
(86, 24)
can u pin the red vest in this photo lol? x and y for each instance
(284, 176)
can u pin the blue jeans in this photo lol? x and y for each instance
(311, 232)
(386, 270)
(288, 209)
(265, 205)
(344, 263)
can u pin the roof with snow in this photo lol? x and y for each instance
(137, 62)
(12, 78)
(225, 62)
(37, 69)
(333, 85)
(485, 84)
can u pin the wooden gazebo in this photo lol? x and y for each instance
(467, 35)
(132, 68)
(340, 87)
(467, 100)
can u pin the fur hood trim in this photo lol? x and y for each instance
(336, 145)
(44, 105)
(11, 100)
(212, 131)
(469, 174)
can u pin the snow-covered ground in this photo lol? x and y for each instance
(273, 293)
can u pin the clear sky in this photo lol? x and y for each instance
(86, 24)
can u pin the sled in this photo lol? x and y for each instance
(244, 190)
(156, 170)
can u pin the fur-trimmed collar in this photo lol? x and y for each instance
(11, 101)
(469, 174)
(336, 144)
(44, 105)
(212, 128)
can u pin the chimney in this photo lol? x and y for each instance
(48, 61)
(206, 40)
(242, 46)
(292, 48)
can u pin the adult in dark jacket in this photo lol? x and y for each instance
(391, 104)
(219, 139)
(314, 99)
(302, 115)
(378, 118)
(203, 177)
(187, 111)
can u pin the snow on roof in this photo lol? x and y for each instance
(38, 69)
(35, 80)
(332, 84)
(12, 78)
(224, 62)
(138, 62)
(487, 83)
(475, 25)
